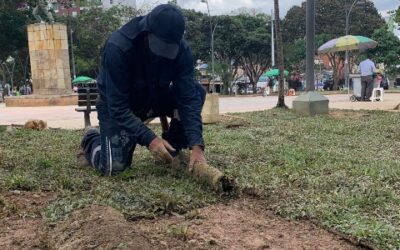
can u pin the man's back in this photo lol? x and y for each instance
(367, 68)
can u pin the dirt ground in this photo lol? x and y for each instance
(239, 224)
(20, 219)
(346, 114)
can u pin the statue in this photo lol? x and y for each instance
(41, 5)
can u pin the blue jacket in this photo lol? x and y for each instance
(130, 83)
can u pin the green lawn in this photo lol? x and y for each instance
(341, 170)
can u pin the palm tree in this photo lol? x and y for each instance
(279, 49)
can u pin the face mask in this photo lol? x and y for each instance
(153, 58)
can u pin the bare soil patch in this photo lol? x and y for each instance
(239, 224)
(20, 219)
(346, 114)
(233, 122)
(98, 227)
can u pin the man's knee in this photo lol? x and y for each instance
(116, 168)
(112, 168)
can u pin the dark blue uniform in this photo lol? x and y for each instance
(135, 85)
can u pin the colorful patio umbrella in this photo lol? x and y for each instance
(275, 72)
(82, 79)
(347, 43)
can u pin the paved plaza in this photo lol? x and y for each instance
(66, 116)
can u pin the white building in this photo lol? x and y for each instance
(111, 3)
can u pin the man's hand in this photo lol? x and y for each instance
(160, 149)
(197, 155)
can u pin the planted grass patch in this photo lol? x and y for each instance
(341, 170)
(46, 161)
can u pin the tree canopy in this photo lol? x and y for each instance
(388, 50)
(397, 15)
(87, 45)
(330, 18)
(13, 41)
(240, 41)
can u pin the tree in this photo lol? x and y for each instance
(226, 72)
(227, 49)
(279, 47)
(397, 15)
(295, 55)
(198, 34)
(330, 18)
(295, 52)
(88, 45)
(240, 41)
(388, 50)
(13, 41)
(253, 46)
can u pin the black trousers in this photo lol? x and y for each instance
(110, 151)
(366, 87)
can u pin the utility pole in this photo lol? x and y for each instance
(346, 60)
(310, 37)
(311, 102)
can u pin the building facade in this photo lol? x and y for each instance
(65, 7)
(111, 3)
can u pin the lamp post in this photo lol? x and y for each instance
(346, 60)
(72, 53)
(212, 30)
(210, 111)
(68, 5)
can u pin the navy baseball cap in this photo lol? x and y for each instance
(166, 27)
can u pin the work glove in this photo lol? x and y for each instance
(161, 149)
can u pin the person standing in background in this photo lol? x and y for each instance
(367, 70)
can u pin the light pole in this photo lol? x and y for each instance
(310, 35)
(346, 60)
(72, 53)
(212, 30)
(11, 59)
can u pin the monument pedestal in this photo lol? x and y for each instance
(311, 103)
(41, 100)
(210, 112)
(50, 71)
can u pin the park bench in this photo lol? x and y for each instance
(87, 97)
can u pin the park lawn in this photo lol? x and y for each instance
(340, 170)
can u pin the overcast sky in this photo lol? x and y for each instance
(226, 6)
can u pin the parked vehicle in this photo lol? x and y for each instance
(396, 83)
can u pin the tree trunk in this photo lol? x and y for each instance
(279, 48)
(3, 73)
(337, 65)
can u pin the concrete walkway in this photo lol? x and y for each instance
(66, 116)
